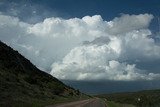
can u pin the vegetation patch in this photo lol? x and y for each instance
(147, 98)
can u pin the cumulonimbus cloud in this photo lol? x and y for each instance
(86, 49)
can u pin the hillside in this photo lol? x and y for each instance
(22, 84)
(146, 98)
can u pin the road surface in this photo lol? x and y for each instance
(96, 102)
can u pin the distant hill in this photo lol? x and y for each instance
(22, 84)
(146, 98)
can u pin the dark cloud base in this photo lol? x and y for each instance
(101, 87)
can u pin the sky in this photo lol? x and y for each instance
(90, 43)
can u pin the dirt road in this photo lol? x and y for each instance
(96, 102)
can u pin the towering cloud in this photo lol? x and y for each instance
(86, 49)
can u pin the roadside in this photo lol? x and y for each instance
(113, 104)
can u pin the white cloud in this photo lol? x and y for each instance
(97, 63)
(56, 45)
(128, 23)
(138, 45)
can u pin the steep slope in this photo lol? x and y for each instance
(22, 84)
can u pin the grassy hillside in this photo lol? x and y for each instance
(147, 98)
(22, 84)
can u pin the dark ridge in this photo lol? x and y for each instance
(23, 83)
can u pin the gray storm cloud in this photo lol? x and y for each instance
(86, 49)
